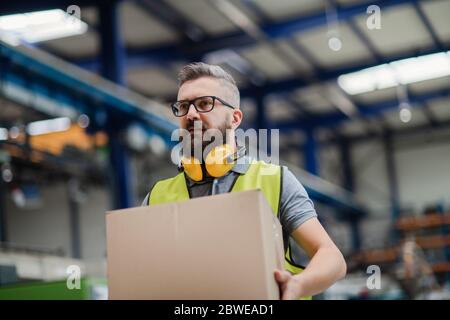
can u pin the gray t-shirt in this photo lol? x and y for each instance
(295, 207)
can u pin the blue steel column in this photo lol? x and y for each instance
(349, 184)
(261, 122)
(393, 183)
(310, 152)
(3, 191)
(74, 218)
(3, 187)
(392, 176)
(112, 67)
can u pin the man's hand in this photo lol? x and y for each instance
(290, 285)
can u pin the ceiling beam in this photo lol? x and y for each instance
(427, 24)
(238, 39)
(292, 83)
(23, 6)
(174, 20)
(365, 111)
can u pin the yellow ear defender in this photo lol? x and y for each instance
(218, 162)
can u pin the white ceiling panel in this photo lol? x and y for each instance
(316, 42)
(429, 85)
(440, 108)
(301, 63)
(352, 2)
(401, 30)
(267, 61)
(152, 82)
(283, 9)
(279, 109)
(77, 46)
(204, 15)
(89, 15)
(312, 99)
(438, 13)
(359, 126)
(356, 127)
(246, 10)
(140, 28)
(375, 96)
(237, 76)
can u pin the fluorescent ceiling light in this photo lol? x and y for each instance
(48, 126)
(40, 26)
(392, 74)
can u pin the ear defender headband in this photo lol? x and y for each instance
(219, 161)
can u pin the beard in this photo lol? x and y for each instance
(203, 137)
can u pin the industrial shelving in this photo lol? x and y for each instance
(411, 228)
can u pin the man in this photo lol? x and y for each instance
(209, 99)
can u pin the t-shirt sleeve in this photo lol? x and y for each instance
(296, 207)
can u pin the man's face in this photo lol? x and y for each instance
(221, 117)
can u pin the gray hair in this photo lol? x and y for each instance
(198, 70)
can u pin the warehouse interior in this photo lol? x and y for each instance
(359, 91)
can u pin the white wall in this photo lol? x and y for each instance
(49, 226)
(92, 223)
(371, 188)
(330, 166)
(371, 178)
(424, 174)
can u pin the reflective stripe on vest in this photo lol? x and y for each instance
(260, 175)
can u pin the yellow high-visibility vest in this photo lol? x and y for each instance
(260, 175)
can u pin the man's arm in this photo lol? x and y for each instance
(327, 264)
(299, 219)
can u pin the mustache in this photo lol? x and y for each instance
(190, 125)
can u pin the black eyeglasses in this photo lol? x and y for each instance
(201, 104)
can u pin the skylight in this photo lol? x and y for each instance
(40, 26)
(403, 72)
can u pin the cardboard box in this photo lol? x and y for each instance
(219, 247)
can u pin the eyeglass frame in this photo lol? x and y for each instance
(191, 102)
